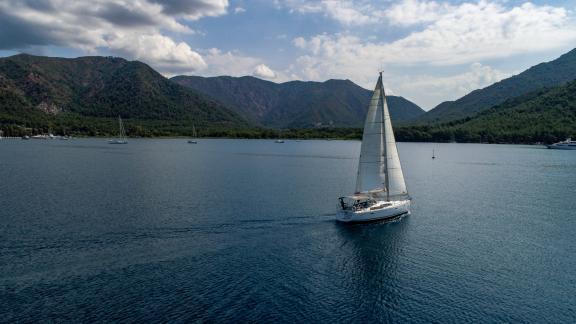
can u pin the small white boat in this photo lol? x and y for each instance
(279, 140)
(122, 137)
(568, 144)
(380, 188)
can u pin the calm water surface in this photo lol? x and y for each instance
(243, 230)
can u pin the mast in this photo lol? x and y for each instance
(384, 140)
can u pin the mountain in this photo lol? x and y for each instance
(296, 104)
(550, 74)
(546, 115)
(102, 87)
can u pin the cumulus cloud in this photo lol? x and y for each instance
(462, 35)
(193, 9)
(411, 12)
(431, 90)
(263, 71)
(467, 33)
(133, 29)
(231, 63)
(347, 12)
(167, 56)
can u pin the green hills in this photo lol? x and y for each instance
(544, 75)
(46, 90)
(546, 115)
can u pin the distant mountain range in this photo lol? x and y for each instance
(297, 104)
(550, 74)
(102, 87)
(83, 95)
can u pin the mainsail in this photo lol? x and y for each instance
(379, 170)
(122, 130)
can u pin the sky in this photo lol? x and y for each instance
(430, 51)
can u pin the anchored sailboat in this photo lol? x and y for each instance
(194, 136)
(380, 188)
(122, 136)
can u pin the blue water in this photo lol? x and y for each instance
(243, 230)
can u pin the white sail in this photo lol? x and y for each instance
(371, 170)
(379, 169)
(396, 185)
(122, 130)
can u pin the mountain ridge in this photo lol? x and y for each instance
(294, 104)
(98, 86)
(546, 74)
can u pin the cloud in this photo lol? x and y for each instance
(193, 9)
(431, 90)
(167, 56)
(134, 29)
(263, 71)
(469, 34)
(462, 35)
(239, 10)
(411, 12)
(231, 63)
(347, 12)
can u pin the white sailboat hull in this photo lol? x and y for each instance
(380, 211)
(117, 142)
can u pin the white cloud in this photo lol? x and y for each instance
(468, 33)
(464, 34)
(431, 90)
(167, 56)
(231, 63)
(134, 29)
(263, 71)
(347, 12)
(239, 10)
(411, 12)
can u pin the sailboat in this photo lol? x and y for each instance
(433, 154)
(380, 188)
(122, 136)
(194, 135)
(279, 140)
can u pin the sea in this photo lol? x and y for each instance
(234, 231)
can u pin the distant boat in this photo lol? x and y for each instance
(194, 135)
(568, 144)
(380, 188)
(279, 140)
(433, 155)
(122, 136)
